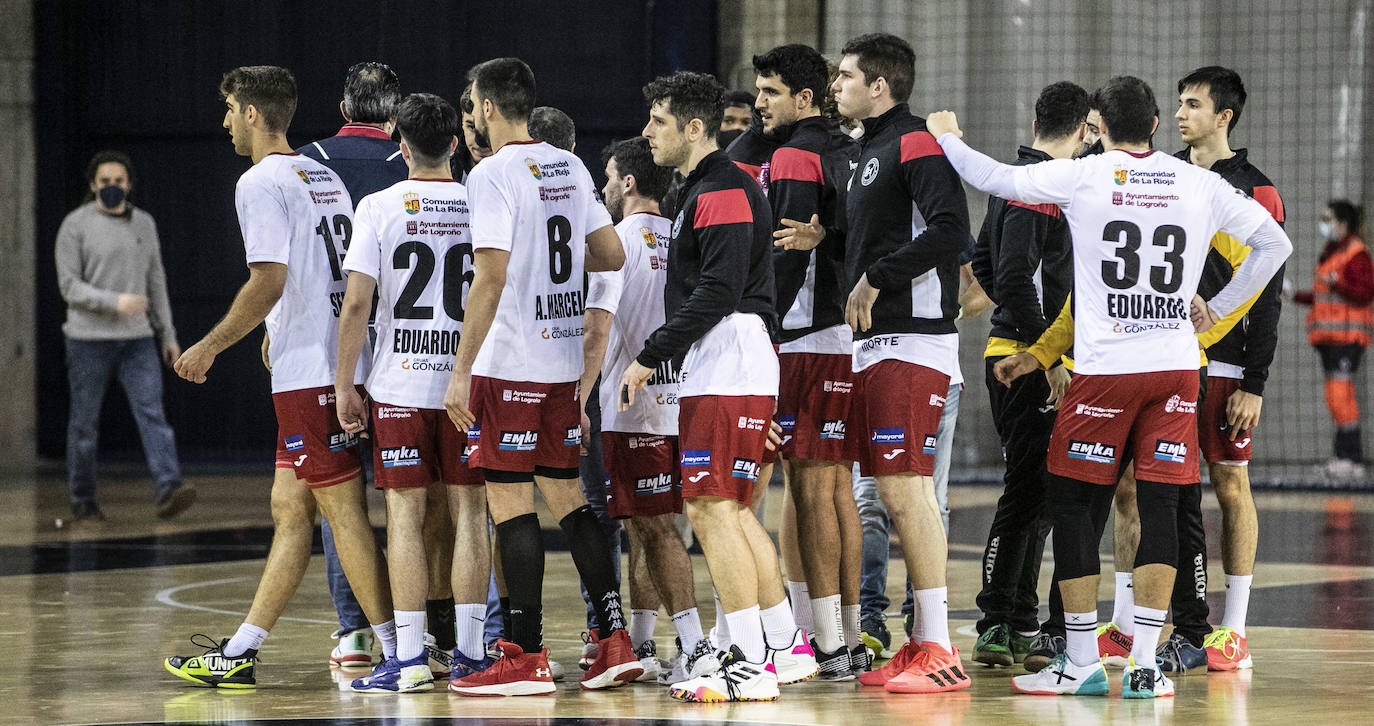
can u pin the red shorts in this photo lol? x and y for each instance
(412, 447)
(1108, 419)
(813, 404)
(523, 425)
(894, 415)
(310, 439)
(721, 438)
(643, 474)
(1213, 433)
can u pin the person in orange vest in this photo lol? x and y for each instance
(1339, 327)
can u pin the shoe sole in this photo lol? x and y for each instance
(201, 682)
(414, 689)
(353, 662)
(1035, 663)
(921, 688)
(179, 501)
(1245, 662)
(614, 677)
(518, 688)
(993, 658)
(1139, 695)
(695, 697)
(1114, 661)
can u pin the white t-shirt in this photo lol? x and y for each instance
(413, 239)
(640, 284)
(294, 211)
(1141, 223)
(734, 358)
(538, 203)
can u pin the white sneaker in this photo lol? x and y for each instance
(589, 649)
(796, 662)
(1145, 682)
(354, 650)
(702, 661)
(1062, 678)
(647, 653)
(674, 669)
(737, 680)
(440, 661)
(557, 670)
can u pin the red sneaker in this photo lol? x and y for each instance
(1113, 645)
(515, 673)
(615, 663)
(895, 665)
(932, 670)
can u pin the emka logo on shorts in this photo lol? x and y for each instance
(400, 456)
(294, 443)
(928, 446)
(696, 458)
(833, 430)
(1177, 404)
(889, 436)
(572, 436)
(340, 440)
(656, 484)
(1174, 451)
(745, 469)
(1093, 451)
(753, 424)
(518, 440)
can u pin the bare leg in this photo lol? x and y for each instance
(910, 501)
(1239, 523)
(405, 544)
(1126, 527)
(293, 521)
(851, 536)
(643, 590)
(467, 506)
(438, 541)
(345, 506)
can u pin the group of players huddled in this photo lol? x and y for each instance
(790, 298)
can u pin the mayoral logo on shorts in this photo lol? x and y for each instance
(883, 437)
(1092, 451)
(294, 443)
(412, 203)
(870, 172)
(700, 457)
(1172, 451)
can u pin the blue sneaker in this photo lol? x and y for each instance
(464, 666)
(1062, 678)
(1180, 657)
(398, 676)
(1140, 682)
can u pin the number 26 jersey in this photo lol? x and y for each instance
(538, 203)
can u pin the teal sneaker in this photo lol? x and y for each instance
(993, 647)
(1144, 682)
(1062, 678)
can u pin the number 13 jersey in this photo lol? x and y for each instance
(413, 239)
(1141, 223)
(538, 203)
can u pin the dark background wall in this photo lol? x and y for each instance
(143, 77)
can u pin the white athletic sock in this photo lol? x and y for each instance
(720, 633)
(1123, 614)
(746, 632)
(642, 624)
(247, 637)
(1237, 602)
(829, 625)
(410, 634)
(386, 635)
(779, 627)
(1148, 622)
(934, 606)
(688, 626)
(800, 595)
(470, 623)
(918, 630)
(849, 617)
(1081, 638)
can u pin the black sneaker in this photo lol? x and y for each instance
(1042, 649)
(177, 501)
(835, 665)
(87, 511)
(859, 659)
(873, 633)
(213, 667)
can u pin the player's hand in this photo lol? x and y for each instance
(456, 400)
(943, 122)
(858, 310)
(266, 359)
(802, 236)
(1012, 367)
(350, 410)
(1058, 378)
(128, 303)
(1202, 316)
(774, 440)
(1243, 412)
(170, 353)
(634, 379)
(195, 362)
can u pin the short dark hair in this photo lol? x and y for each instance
(269, 89)
(428, 124)
(508, 83)
(371, 92)
(465, 101)
(690, 95)
(1223, 85)
(1346, 211)
(799, 67)
(553, 126)
(883, 55)
(1128, 109)
(633, 158)
(1060, 109)
(738, 98)
(109, 156)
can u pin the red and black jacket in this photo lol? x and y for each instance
(718, 258)
(751, 152)
(907, 217)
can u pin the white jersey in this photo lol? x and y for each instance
(1141, 223)
(538, 203)
(413, 239)
(294, 211)
(640, 283)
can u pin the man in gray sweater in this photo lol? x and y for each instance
(109, 269)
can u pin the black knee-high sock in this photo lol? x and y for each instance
(439, 618)
(593, 559)
(522, 561)
(505, 617)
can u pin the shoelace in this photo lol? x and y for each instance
(210, 644)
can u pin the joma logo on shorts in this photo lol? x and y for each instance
(1093, 451)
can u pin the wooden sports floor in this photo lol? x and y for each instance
(89, 612)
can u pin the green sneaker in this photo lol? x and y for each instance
(1021, 645)
(213, 668)
(994, 646)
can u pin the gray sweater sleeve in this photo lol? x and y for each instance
(70, 281)
(159, 307)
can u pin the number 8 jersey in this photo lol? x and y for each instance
(538, 203)
(294, 211)
(413, 239)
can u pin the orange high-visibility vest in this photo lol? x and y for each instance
(1333, 320)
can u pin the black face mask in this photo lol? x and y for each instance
(112, 196)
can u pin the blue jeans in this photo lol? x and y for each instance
(135, 363)
(873, 600)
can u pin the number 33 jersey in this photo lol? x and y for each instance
(1142, 223)
(294, 211)
(538, 203)
(413, 239)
